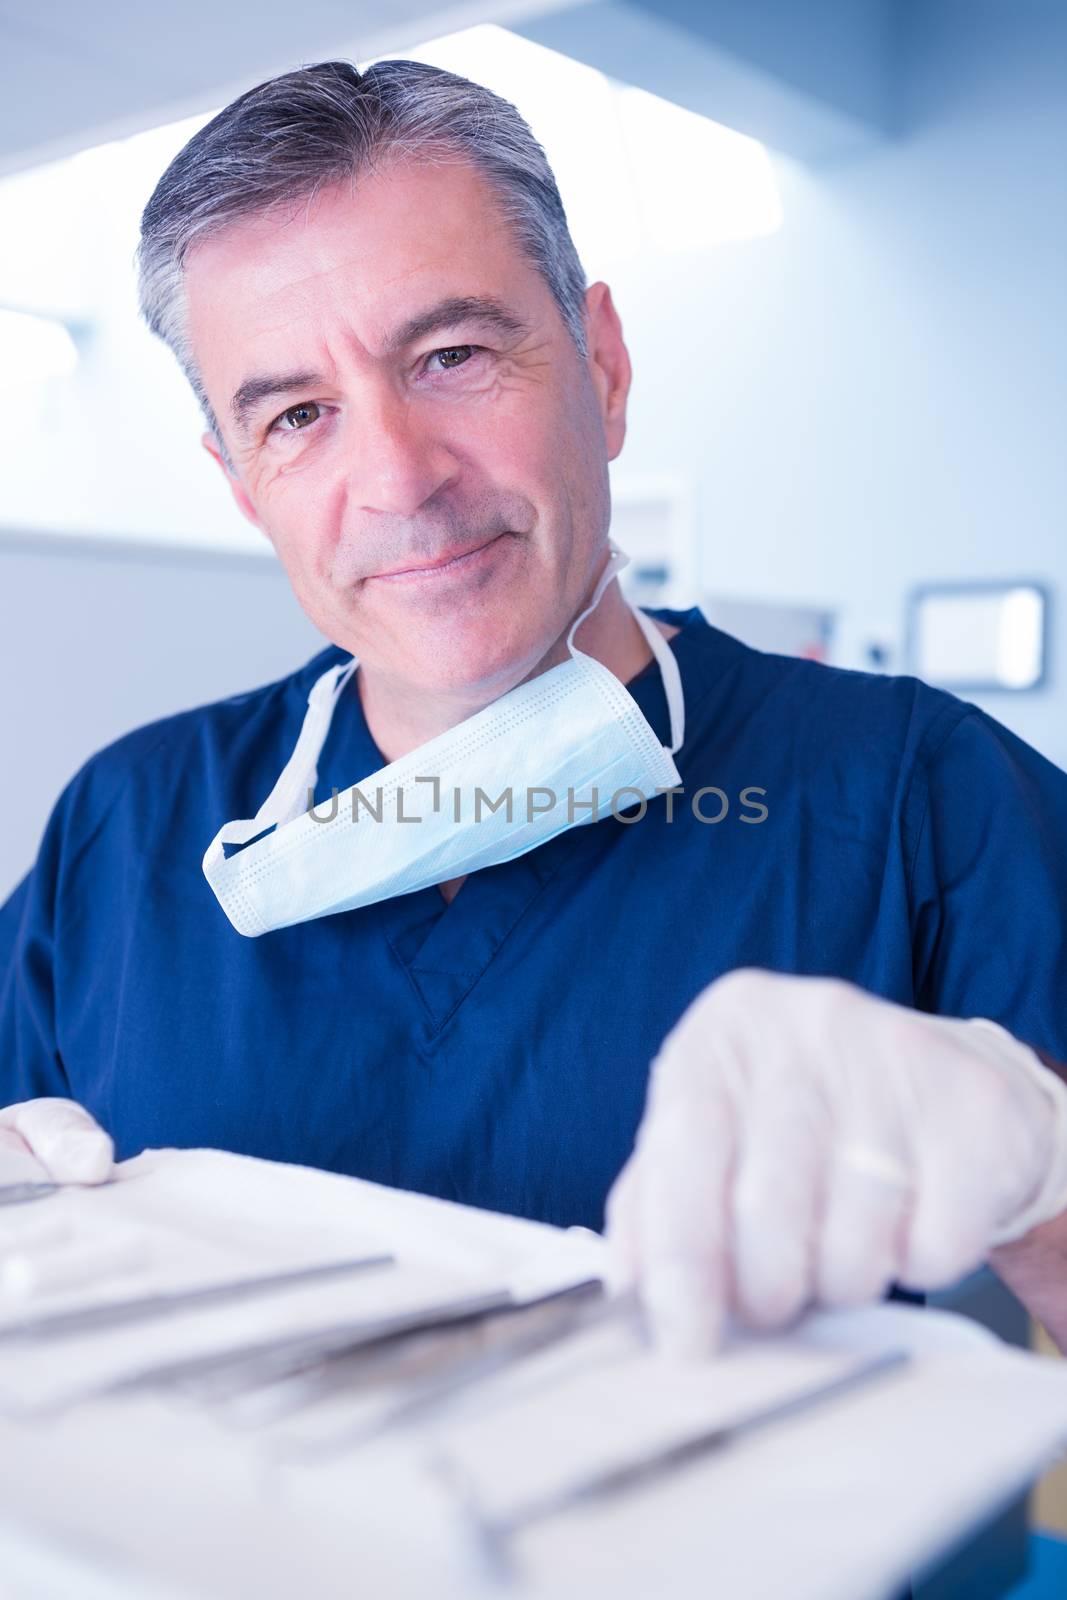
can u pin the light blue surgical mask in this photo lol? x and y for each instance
(567, 747)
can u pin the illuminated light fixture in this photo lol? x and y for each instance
(34, 348)
(978, 636)
(1020, 638)
(698, 183)
(639, 174)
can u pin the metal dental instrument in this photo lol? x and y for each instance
(231, 1374)
(22, 1176)
(493, 1535)
(140, 1308)
(216, 1371)
(555, 1316)
(14, 1194)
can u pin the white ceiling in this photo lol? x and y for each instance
(73, 75)
(815, 80)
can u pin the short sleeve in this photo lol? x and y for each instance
(988, 882)
(30, 1063)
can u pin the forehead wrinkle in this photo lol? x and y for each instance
(447, 310)
(296, 302)
(350, 294)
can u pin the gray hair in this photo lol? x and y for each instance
(295, 134)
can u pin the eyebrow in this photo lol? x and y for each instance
(489, 313)
(254, 391)
(457, 309)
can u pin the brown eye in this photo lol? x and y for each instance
(300, 416)
(455, 356)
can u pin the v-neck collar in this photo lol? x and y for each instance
(446, 946)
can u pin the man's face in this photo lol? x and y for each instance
(410, 422)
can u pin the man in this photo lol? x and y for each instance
(370, 283)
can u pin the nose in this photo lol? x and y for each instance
(396, 459)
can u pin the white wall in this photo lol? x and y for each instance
(97, 638)
(875, 395)
(114, 450)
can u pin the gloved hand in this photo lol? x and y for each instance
(806, 1142)
(61, 1136)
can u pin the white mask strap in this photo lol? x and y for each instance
(288, 798)
(617, 559)
(665, 658)
(672, 677)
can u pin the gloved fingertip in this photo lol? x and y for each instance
(87, 1158)
(685, 1320)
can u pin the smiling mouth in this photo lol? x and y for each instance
(450, 561)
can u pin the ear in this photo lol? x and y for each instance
(609, 363)
(244, 504)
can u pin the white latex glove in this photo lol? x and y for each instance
(59, 1134)
(806, 1142)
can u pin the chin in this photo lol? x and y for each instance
(472, 661)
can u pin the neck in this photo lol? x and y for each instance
(403, 716)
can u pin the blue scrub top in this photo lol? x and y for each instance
(496, 1050)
